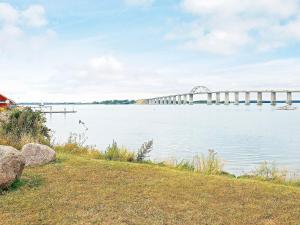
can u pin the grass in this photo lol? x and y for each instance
(81, 190)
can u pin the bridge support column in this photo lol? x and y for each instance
(289, 99)
(226, 102)
(185, 99)
(247, 98)
(169, 100)
(191, 99)
(218, 99)
(273, 98)
(174, 100)
(259, 98)
(166, 100)
(236, 98)
(209, 98)
(179, 99)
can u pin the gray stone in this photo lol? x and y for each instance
(11, 165)
(37, 154)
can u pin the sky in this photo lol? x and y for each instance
(63, 50)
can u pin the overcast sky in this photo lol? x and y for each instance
(63, 50)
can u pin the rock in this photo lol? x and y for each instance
(37, 154)
(11, 165)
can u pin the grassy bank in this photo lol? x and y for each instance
(81, 190)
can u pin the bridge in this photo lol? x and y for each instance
(214, 97)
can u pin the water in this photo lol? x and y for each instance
(243, 136)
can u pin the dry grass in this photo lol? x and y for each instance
(79, 190)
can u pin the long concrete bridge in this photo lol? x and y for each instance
(188, 98)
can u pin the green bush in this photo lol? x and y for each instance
(116, 153)
(22, 126)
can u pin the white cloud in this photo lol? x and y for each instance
(139, 2)
(34, 16)
(8, 14)
(227, 26)
(15, 37)
(106, 64)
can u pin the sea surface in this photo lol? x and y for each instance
(243, 136)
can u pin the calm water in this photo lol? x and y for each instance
(243, 136)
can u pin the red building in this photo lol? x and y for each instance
(5, 102)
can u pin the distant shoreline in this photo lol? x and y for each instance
(132, 102)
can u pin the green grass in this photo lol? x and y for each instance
(81, 190)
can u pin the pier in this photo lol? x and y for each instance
(214, 97)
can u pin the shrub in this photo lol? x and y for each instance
(76, 145)
(269, 171)
(208, 165)
(116, 153)
(22, 126)
(144, 151)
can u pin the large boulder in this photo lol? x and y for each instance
(37, 154)
(11, 165)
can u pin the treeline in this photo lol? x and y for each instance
(116, 102)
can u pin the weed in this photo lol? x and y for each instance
(208, 165)
(144, 151)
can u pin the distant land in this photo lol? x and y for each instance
(106, 102)
(124, 102)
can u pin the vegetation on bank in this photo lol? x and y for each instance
(80, 190)
(116, 102)
(75, 145)
(20, 126)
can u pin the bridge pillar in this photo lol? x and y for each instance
(166, 100)
(289, 99)
(185, 99)
(226, 98)
(259, 98)
(273, 98)
(191, 99)
(179, 99)
(209, 98)
(174, 100)
(236, 98)
(247, 98)
(218, 99)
